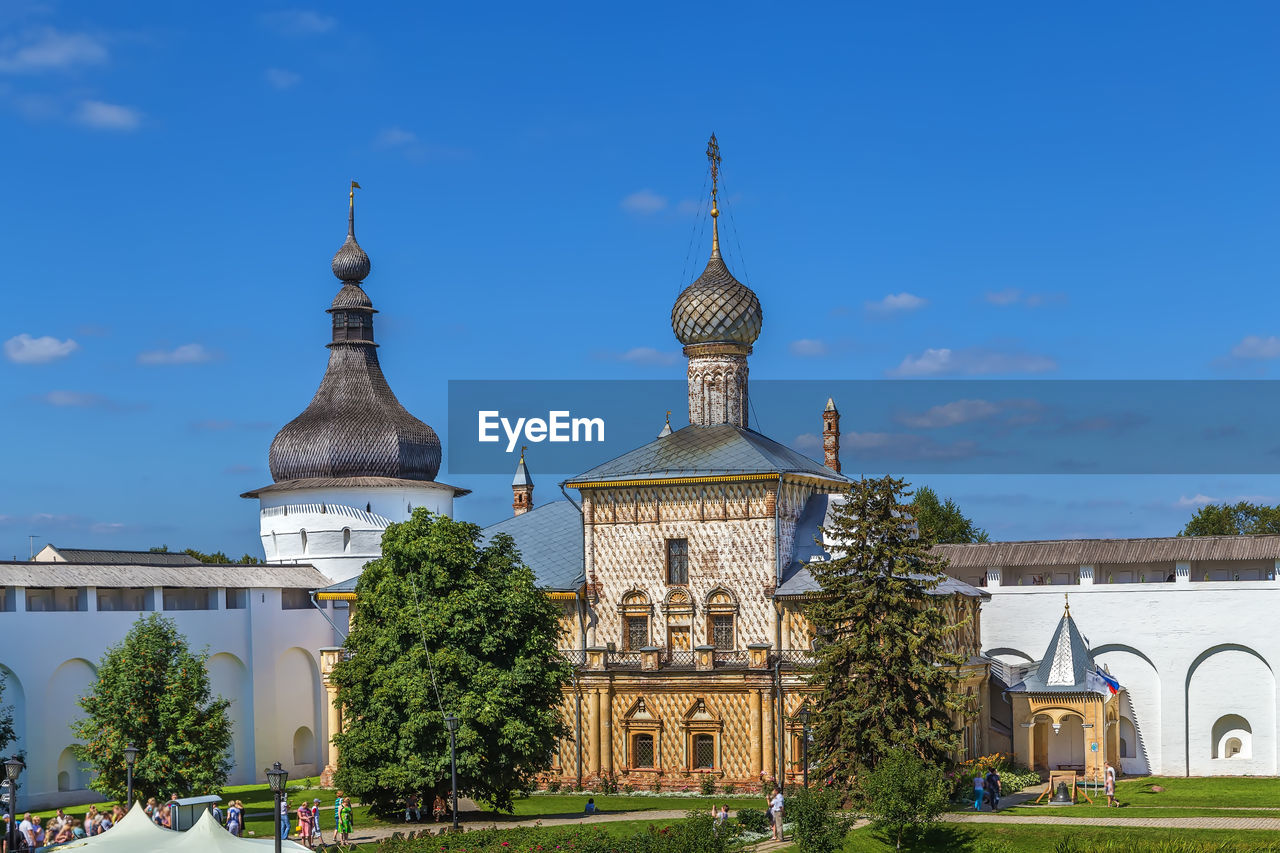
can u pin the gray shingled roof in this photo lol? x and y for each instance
(550, 541)
(796, 577)
(133, 558)
(698, 451)
(106, 575)
(350, 483)
(1090, 552)
(1066, 664)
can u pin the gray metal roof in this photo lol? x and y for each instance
(522, 477)
(707, 451)
(133, 558)
(549, 538)
(1089, 552)
(108, 575)
(807, 547)
(717, 308)
(1066, 665)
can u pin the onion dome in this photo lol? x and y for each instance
(716, 308)
(354, 426)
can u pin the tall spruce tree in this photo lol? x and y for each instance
(887, 680)
(492, 635)
(153, 691)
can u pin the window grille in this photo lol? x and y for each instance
(704, 752)
(677, 561)
(642, 751)
(637, 632)
(722, 631)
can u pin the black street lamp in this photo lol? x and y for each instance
(805, 716)
(12, 770)
(130, 756)
(277, 776)
(451, 723)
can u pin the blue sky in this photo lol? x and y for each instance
(933, 189)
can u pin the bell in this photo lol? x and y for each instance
(1062, 796)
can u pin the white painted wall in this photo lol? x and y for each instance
(343, 526)
(1186, 653)
(49, 660)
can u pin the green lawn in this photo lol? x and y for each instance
(1015, 838)
(1196, 797)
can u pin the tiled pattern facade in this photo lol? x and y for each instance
(718, 384)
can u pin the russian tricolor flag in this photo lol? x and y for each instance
(1112, 684)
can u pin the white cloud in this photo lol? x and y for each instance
(643, 202)
(688, 207)
(1256, 347)
(1197, 500)
(1014, 296)
(74, 399)
(282, 79)
(394, 137)
(1008, 296)
(185, 354)
(298, 22)
(972, 361)
(647, 355)
(24, 349)
(895, 302)
(808, 348)
(104, 116)
(951, 414)
(48, 49)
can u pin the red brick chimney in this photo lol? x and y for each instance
(521, 489)
(831, 436)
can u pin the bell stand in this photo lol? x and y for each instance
(1072, 778)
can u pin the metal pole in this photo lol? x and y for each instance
(278, 844)
(128, 772)
(804, 751)
(12, 840)
(453, 765)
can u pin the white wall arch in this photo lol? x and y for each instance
(1232, 738)
(1139, 704)
(1238, 680)
(229, 678)
(299, 704)
(16, 698)
(73, 774)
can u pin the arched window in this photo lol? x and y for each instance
(304, 746)
(722, 613)
(346, 539)
(636, 610)
(678, 607)
(1232, 737)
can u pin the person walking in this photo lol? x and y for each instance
(304, 821)
(992, 783)
(284, 819)
(315, 820)
(235, 818)
(978, 791)
(345, 821)
(1110, 780)
(775, 811)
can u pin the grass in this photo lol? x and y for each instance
(1021, 838)
(616, 829)
(1222, 796)
(548, 805)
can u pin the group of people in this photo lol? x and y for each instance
(34, 832)
(310, 826)
(986, 789)
(439, 808)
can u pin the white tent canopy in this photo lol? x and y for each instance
(135, 833)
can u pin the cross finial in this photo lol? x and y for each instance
(713, 158)
(1066, 603)
(668, 417)
(351, 211)
(523, 448)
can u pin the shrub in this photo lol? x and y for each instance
(815, 812)
(553, 785)
(707, 785)
(627, 789)
(657, 784)
(608, 784)
(905, 795)
(753, 820)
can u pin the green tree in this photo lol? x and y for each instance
(1233, 519)
(941, 522)
(492, 636)
(217, 557)
(904, 794)
(153, 691)
(7, 733)
(815, 812)
(887, 680)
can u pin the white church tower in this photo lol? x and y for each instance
(355, 460)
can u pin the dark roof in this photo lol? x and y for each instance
(348, 585)
(716, 308)
(133, 558)
(108, 575)
(707, 451)
(354, 426)
(549, 538)
(349, 482)
(807, 547)
(1089, 552)
(1066, 666)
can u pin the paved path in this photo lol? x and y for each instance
(1152, 822)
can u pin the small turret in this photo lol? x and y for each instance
(521, 488)
(831, 436)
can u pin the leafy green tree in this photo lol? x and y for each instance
(941, 522)
(1233, 519)
(7, 733)
(492, 636)
(153, 691)
(886, 678)
(815, 813)
(217, 557)
(905, 795)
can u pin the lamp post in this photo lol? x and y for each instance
(130, 756)
(277, 776)
(451, 723)
(12, 770)
(805, 716)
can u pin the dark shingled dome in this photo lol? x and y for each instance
(717, 308)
